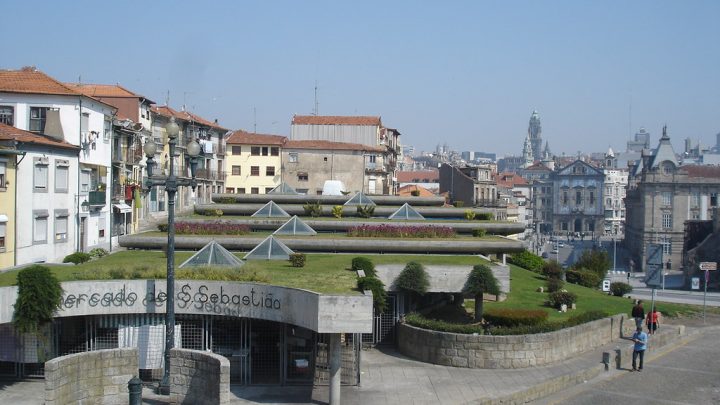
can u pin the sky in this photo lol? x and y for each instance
(463, 73)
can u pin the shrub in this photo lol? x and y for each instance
(401, 231)
(77, 258)
(527, 260)
(413, 278)
(210, 228)
(459, 204)
(378, 290)
(213, 212)
(552, 269)
(226, 200)
(420, 321)
(98, 253)
(481, 280)
(561, 297)
(469, 215)
(597, 261)
(619, 288)
(485, 216)
(39, 296)
(508, 317)
(554, 284)
(365, 211)
(585, 278)
(479, 233)
(364, 264)
(337, 211)
(415, 193)
(313, 209)
(162, 227)
(297, 259)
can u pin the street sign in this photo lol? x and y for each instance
(706, 266)
(654, 254)
(606, 285)
(654, 275)
(695, 283)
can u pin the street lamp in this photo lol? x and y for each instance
(171, 184)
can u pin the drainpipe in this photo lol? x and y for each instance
(15, 230)
(78, 242)
(110, 182)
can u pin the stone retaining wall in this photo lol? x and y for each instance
(98, 377)
(198, 377)
(481, 351)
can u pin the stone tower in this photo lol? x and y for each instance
(535, 134)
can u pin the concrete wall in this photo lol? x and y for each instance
(99, 377)
(321, 313)
(506, 352)
(199, 378)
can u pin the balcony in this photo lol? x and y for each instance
(206, 174)
(372, 167)
(97, 198)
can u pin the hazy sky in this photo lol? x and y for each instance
(467, 74)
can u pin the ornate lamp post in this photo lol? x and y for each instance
(171, 184)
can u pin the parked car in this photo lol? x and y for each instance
(554, 251)
(561, 244)
(545, 255)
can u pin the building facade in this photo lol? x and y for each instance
(616, 181)
(578, 203)
(254, 162)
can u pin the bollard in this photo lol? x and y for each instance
(618, 359)
(135, 391)
(606, 360)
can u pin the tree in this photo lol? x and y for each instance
(481, 280)
(597, 261)
(413, 280)
(39, 296)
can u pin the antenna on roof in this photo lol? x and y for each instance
(167, 99)
(316, 100)
(79, 79)
(254, 120)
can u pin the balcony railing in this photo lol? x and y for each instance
(97, 198)
(205, 174)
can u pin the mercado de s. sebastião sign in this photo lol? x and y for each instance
(318, 312)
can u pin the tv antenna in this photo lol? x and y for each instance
(315, 112)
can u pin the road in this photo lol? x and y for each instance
(685, 375)
(680, 297)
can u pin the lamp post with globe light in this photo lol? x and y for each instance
(171, 183)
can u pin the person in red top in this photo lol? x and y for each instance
(653, 321)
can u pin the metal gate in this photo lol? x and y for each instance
(230, 337)
(350, 364)
(384, 324)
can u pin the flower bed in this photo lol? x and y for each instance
(208, 228)
(401, 231)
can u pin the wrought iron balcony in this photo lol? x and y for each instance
(97, 198)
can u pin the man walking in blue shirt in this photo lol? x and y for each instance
(640, 338)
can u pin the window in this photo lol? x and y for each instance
(666, 243)
(236, 170)
(236, 150)
(101, 225)
(372, 158)
(7, 114)
(565, 198)
(269, 189)
(241, 190)
(293, 157)
(667, 168)
(264, 150)
(713, 200)
(302, 176)
(62, 175)
(40, 175)
(3, 231)
(255, 151)
(667, 220)
(578, 198)
(564, 226)
(229, 190)
(695, 200)
(61, 226)
(255, 171)
(270, 171)
(107, 129)
(608, 201)
(666, 198)
(592, 198)
(40, 226)
(38, 115)
(254, 190)
(3, 171)
(325, 159)
(274, 151)
(85, 180)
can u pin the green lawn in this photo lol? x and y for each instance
(325, 273)
(523, 295)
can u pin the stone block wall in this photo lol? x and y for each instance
(506, 352)
(99, 377)
(198, 377)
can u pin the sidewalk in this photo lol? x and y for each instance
(391, 378)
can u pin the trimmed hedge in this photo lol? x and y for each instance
(297, 259)
(413, 278)
(528, 261)
(619, 288)
(585, 278)
(515, 317)
(562, 297)
(417, 320)
(479, 233)
(378, 290)
(77, 258)
(364, 264)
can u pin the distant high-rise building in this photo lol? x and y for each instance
(535, 134)
(642, 141)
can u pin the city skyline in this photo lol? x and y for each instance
(469, 74)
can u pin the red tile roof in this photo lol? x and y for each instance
(328, 145)
(32, 81)
(184, 115)
(510, 179)
(335, 120)
(103, 90)
(406, 191)
(241, 137)
(422, 176)
(704, 171)
(8, 133)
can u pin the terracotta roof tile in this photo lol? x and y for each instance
(241, 137)
(8, 133)
(406, 191)
(335, 120)
(32, 81)
(432, 176)
(102, 90)
(184, 115)
(705, 171)
(328, 145)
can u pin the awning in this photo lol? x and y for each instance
(122, 208)
(3, 218)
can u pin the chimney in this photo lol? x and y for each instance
(53, 127)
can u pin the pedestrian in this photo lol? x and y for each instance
(640, 338)
(653, 321)
(638, 312)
